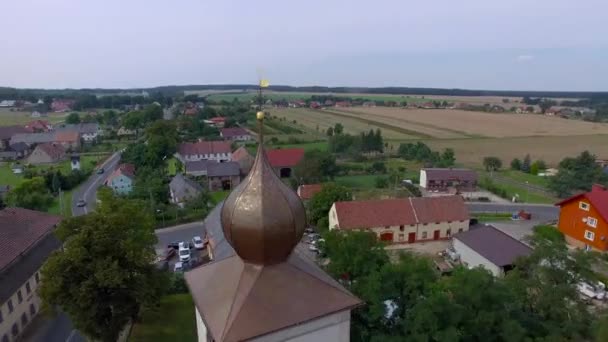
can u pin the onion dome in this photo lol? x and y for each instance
(263, 219)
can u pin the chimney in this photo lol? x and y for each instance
(597, 188)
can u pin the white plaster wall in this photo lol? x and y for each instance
(423, 178)
(333, 218)
(201, 329)
(332, 328)
(19, 309)
(474, 259)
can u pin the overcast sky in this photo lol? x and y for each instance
(474, 44)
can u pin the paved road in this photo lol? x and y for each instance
(540, 212)
(88, 190)
(183, 232)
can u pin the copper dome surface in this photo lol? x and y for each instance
(263, 219)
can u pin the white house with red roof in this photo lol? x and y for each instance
(219, 151)
(403, 220)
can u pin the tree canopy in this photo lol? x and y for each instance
(31, 194)
(577, 174)
(321, 202)
(316, 166)
(105, 274)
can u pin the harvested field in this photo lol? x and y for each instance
(552, 150)
(479, 123)
(8, 118)
(352, 124)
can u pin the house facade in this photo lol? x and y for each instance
(47, 153)
(583, 219)
(235, 134)
(283, 161)
(218, 151)
(443, 180)
(121, 180)
(408, 220)
(27, 241)
(223, 176)
(182, 189)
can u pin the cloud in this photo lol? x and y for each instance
(524, 58)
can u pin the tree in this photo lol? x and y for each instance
(73, 118)
(31, 194)
(515, 164)
(381, 182)
(330, 131)
(378, 167)
(110, 118)
(525, 165)
(321, 202)
(492, 163)
(316, 166)
(577, 174)
(447, 158)
(105, 275)
(338, 129)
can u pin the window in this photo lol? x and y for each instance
(387, 227)
(401, 228)
(19, 296)
(32, 310)
(424, 235)
(589, 235)
(401, 237)
(460, 230)
(24, 319)
(591, 222)
(448, 232)
(15, 329)
(583, 205)
(28, 288)
(10, 305)
(424, 224)
(37, 277)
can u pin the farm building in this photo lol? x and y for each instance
(284, 160)
(489, 248)
(583, 219)
(404, 220)
(306, 191)
(47, 153)
(182, 189)
(218, 151)
(245, 160)
(443, 180)
(235, 134)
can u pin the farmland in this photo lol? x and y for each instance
(8, 118)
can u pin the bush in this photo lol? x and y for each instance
(177, 284)
(381, 182)
(378, 167)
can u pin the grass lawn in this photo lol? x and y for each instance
(67, 205)
(492, 217)
(173, 321)
(525, 195)
(525, 177)
(172, 166)
(219, 196)
(7, 177)
(359, 181)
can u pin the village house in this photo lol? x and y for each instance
(342, 104)
(217, 122)
(444, 180)
(297, 104)
(15, 152)
(315, 105)
(223, 176)
(197, 168)
(183, 189)
(122, 132)
(284, 160)
(403, 220)
(7, 133)
(218, 151)
(68, 139)
(583, 219)
(26, 241)
(369, 104)
(122, 179)
(235, 134)
(32, 138)
(489, 248)
(62, 105)
(245, 160)
(38, 126)
(47, 153)
(306, 191)
(552, 111)
(88, 132)
(7, 103)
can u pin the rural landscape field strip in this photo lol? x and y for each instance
(421, 128)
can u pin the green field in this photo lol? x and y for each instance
(67, 205)
(290, 96)
(523, 177)
(358, 181)
(218, 196)
(172, 321)
(8, 118)
(492, 217)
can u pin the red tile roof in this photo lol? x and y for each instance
(233, 132)
(66, 136)
(40, 125)
(306, 191)
(598, 196)
(204, 147)
(21, 229)
(396, 212)
(287, 157)
(127, 169)
(218, 119)
(55, 151)
(241, 153)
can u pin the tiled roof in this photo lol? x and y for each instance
(306, 191)
(32, 138)
(7, 132)
(204, 147)
(20, 229)
(403, 211)
(127, 170)
(223, 169)
(241, 153)
(55, 151)
(233, 132)
(19, 147)
(287, 157)
(494, 245)
(598, 196)
(184, 187)
(446, 174)
(66, 136)
(198, 166)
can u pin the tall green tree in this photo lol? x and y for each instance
(577, 174)
(72, 118)
(104, 276)
(321, 202)
(31, 194)
(516, 164)
(492, 163)
(338, 128)
(525, 165)
(316, 166)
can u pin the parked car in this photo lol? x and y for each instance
(173, 245)
(179, 267)
(198, 242)
(100, 171)
(184, 251)
(81, 203)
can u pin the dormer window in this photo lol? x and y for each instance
(583, 206)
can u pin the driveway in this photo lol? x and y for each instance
(540, 212)
(88, 190)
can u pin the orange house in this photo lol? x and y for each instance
(583, 219)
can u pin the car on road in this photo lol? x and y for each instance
(198, 242)
(81, 203)
(100, 171)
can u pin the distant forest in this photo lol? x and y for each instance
(15, 93)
